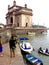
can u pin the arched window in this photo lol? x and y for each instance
(11, 20)
(27, 21)
(18, 24)
(26, 24)
(17, 20)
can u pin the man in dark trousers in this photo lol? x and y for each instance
(12, 45)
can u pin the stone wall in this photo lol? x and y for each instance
(5, 35)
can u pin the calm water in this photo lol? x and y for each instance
(40, 40)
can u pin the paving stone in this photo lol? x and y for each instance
(6, 60)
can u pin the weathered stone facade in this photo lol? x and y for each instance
(19, 16)
(18, 21)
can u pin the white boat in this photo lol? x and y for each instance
(47, 54)
(43, 52)
(31, 33)
(25, 47)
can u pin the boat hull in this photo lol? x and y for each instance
(25, 50)
(47, 54)
(33, 60)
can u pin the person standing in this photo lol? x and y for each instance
(1, 48)
(12, 45)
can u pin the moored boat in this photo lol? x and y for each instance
(44, 52)
(25, 46)
(33, 60)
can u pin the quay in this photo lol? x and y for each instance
(6, 60)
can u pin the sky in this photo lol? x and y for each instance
(40, 10)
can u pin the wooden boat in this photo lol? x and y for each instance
(33, 60)
(43, 52)
(25, 46)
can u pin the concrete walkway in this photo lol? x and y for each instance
(6, 60)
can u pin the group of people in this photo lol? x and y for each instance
(12, 46)
(43, 50)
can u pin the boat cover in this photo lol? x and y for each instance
(24, 38)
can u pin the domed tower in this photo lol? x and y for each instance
(19, 16)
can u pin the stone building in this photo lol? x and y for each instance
(19, 16)
(18, 21)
